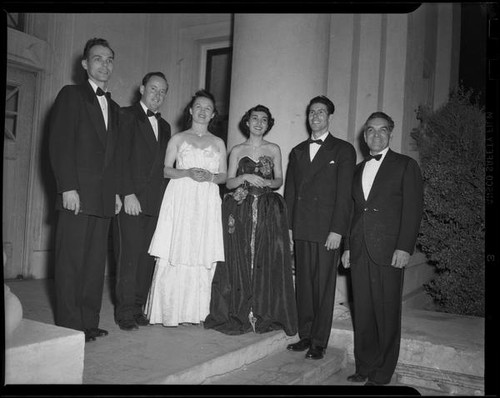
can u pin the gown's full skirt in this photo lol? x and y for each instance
(255, 283)
(187, 243)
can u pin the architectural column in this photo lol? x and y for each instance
(280, 61)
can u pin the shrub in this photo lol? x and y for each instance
(451, 142)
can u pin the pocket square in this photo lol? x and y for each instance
(332, 161)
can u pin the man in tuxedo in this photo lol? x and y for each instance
(388, 204)
(318, 197)
(144, 136)
(83, 141)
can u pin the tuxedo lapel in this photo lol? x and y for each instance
(95, 113)
(303, 156)
(112, 133)
(147, 130)
(357, 184)
(163, 135)
(323, 156)
(383, 171)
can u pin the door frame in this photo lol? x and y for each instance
(27, 248)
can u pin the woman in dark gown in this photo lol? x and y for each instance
(253, 289)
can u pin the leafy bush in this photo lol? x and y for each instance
(451, 142)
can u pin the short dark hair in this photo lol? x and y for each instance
(149, 75)
(380, 115)
(200, 93)
(95, 42)
(246, 117)
(322, 100)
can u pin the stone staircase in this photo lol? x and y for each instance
(285, 368)
(39, 353)
(441, 354)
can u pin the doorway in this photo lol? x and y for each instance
(216, 78)
(19, 114)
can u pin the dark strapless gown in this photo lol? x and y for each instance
(253, 288)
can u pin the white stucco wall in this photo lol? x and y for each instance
(363, 62)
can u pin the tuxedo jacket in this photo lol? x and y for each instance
(143, 158)
(82, 152)
(318, 193)
(390, 217)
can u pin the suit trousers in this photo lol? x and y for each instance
(132, 235)
(315, 280)
(377, 295)
(80, 259)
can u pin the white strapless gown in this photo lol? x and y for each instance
(187, 243)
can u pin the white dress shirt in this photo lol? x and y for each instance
(314, 148)
(152, 119)
(370, 172)
(103, 102)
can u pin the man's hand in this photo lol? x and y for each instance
(400, 258)
(346, 259)
(71, 201)
(333, 241)
(132, 205)
(290, 232)
(118, 204)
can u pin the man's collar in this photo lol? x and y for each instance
(144, 107)
(94, 85)
(322, 137)
(382, 152)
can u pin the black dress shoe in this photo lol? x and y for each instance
(89, 336)
(96, 332)
(315, 352)
(141, 320)
(301, 345)
(357, 378)
(127, 324)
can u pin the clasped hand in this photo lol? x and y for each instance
(199, 175)
(255, 180)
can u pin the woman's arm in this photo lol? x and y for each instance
(220, 177)
(232, 181)
(277, 181)
(169, 171)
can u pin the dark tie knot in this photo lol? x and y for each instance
(376, 157)
(100, 92)
(311, 141)
(157, 115)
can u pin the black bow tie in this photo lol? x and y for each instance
(376, 157)
(311, 141)
(100, 92)
(157, 115)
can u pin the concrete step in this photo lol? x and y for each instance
(225, 363)
(439, 351)
(284, 368)
(39, 353)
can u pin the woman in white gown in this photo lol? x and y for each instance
(188, 239)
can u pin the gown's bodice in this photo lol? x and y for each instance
(190, 156)
(263, 167)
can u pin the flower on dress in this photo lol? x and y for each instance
(240, 193)
(266, 166)
(230, 224)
